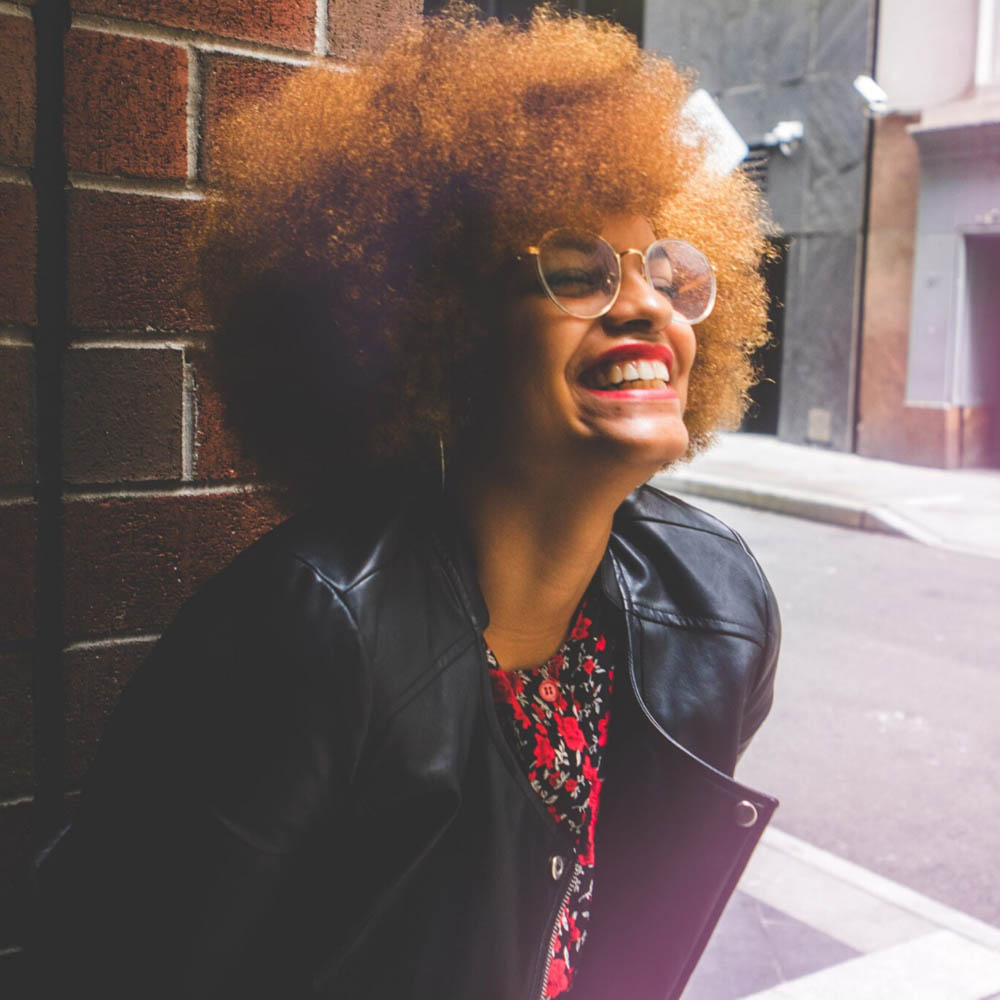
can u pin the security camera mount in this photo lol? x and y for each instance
(875, 98)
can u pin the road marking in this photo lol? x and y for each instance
(848, 902)
(837, 908)
(938, 966)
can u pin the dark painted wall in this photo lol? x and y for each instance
(772, 60)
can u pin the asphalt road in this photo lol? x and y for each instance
(884, 741)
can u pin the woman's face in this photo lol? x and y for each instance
(557, 407)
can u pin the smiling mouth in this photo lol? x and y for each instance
(618, 375)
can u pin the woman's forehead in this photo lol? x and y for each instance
(624, 231)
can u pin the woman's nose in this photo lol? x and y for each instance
(638, 302)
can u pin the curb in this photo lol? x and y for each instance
(798, 503)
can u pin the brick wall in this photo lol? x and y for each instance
(120, 489)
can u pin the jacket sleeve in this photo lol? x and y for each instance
(230, 746)
(760, 693)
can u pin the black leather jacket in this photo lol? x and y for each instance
(305, 791)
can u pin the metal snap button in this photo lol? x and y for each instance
(558, 867)
(745, 813)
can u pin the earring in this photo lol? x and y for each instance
(443, 467)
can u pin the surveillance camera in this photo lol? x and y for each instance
(786, 135)
(875, 98)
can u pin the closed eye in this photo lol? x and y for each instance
(575, 281)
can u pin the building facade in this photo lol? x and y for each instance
(771, 61)
(930, 377)
(888, 343)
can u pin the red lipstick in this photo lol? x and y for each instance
(636, 352)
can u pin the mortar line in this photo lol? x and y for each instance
(109, 642)
(189, 421)
(17, 800)
(183, 190)
(322, 46)
(15, 337)
(204, 40)
(128, 344)
(14, 10)
(15, 175)
(193, 114)
(158, 490)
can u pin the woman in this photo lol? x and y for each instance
(466, 727)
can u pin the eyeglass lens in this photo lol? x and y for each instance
(582, 273)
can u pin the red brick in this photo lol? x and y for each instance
(17, 102)
(17, 748)
(131, 263)
(122, 414)
(131, 562)
(18, 532)
(15, 850)
(228, 84)
(17, 416)
(17, 254)
(95, 677)
(358, 26)
(125, 106)
(218, 452)
(279, 22)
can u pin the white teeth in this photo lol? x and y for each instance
(660, 371)
(630, 371)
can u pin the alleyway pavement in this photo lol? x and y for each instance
(805, 924)
(951, 508)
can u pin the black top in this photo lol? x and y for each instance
(305, 791)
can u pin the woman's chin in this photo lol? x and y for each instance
(645, 454)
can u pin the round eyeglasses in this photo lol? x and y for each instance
(582, 273)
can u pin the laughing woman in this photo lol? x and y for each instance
(466, 727)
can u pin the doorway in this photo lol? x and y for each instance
(762, 417)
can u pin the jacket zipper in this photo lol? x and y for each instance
(555, 929)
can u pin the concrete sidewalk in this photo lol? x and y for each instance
(948, 508)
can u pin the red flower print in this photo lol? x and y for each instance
(561, 744)
(545, 756)
(570, 731)
(558, 981)
(519, 714)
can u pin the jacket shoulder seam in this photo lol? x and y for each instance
(714, 526)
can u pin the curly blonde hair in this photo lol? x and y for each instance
(353, 250)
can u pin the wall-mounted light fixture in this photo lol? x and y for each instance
(786, 136)
(703, 119)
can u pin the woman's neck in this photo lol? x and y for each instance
(538, 543)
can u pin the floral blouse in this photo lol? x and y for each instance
(556, 719)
